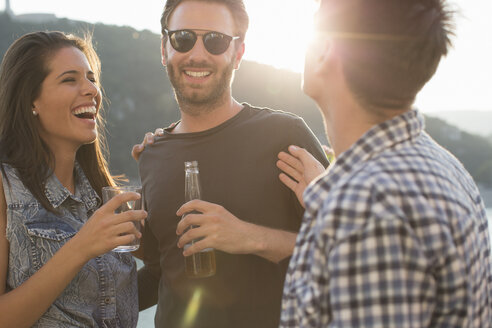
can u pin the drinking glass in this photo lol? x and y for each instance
(110, 192)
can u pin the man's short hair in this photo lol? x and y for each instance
(389, 49)
(236, 7)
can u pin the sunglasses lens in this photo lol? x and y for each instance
(183, 41)
(216, 43)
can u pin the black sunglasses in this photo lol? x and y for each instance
(215, 42)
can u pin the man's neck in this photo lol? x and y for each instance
(346, 121)
(207, 118)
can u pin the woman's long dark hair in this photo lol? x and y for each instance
(23, 70)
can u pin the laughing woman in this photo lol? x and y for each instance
(56, 268)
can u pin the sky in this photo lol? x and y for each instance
(279, 31)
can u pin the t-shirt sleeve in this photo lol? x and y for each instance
(304, 137)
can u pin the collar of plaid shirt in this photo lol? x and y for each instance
(403, 127)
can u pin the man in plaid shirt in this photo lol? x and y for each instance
(395, 231)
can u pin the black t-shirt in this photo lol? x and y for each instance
(237, 170)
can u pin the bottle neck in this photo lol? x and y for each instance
(192, 186)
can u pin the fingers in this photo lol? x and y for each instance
(291, 159)
(118, 200)
(159, 132)
(298, 160)
(123, 240)
(133, 215)
(106, 230)
(125, 228)
(302, 155)
(291, 184)
(190, 235)
(311, 167)
(150, 137)
(330, 153)
(148, 140)
(196, 247)
(289, 169)
(126, 232)
(137, 150)
(195, 205)
(189, 220)
(328, 150)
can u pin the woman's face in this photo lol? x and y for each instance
(69, 101)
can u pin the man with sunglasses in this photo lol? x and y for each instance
(395, 232)
(247, 215)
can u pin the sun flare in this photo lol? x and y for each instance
(275, 26)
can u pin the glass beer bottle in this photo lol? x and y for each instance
(201, 264)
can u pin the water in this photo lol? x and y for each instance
(146, 318)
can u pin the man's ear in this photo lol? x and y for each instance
(327, 55)
(239, 55)
(163, 51)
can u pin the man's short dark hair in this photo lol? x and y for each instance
(236, 7)
(389, 49)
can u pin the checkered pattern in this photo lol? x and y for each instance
(394, 235)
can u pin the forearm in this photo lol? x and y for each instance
(271, 244)
(24, 305)
(220, 229)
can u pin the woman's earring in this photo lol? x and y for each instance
(34, 113)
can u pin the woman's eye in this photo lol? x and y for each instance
(69, 79)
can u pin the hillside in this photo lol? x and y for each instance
(472, 121)
(141, 98)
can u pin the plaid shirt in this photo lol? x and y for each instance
(394, 235)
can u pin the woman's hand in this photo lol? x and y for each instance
(300, 168)
(106, 229)
(148, 140)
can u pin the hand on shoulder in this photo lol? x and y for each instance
(147, 140)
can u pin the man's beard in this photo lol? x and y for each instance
(196, 102)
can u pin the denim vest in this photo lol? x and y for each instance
(104, 292)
